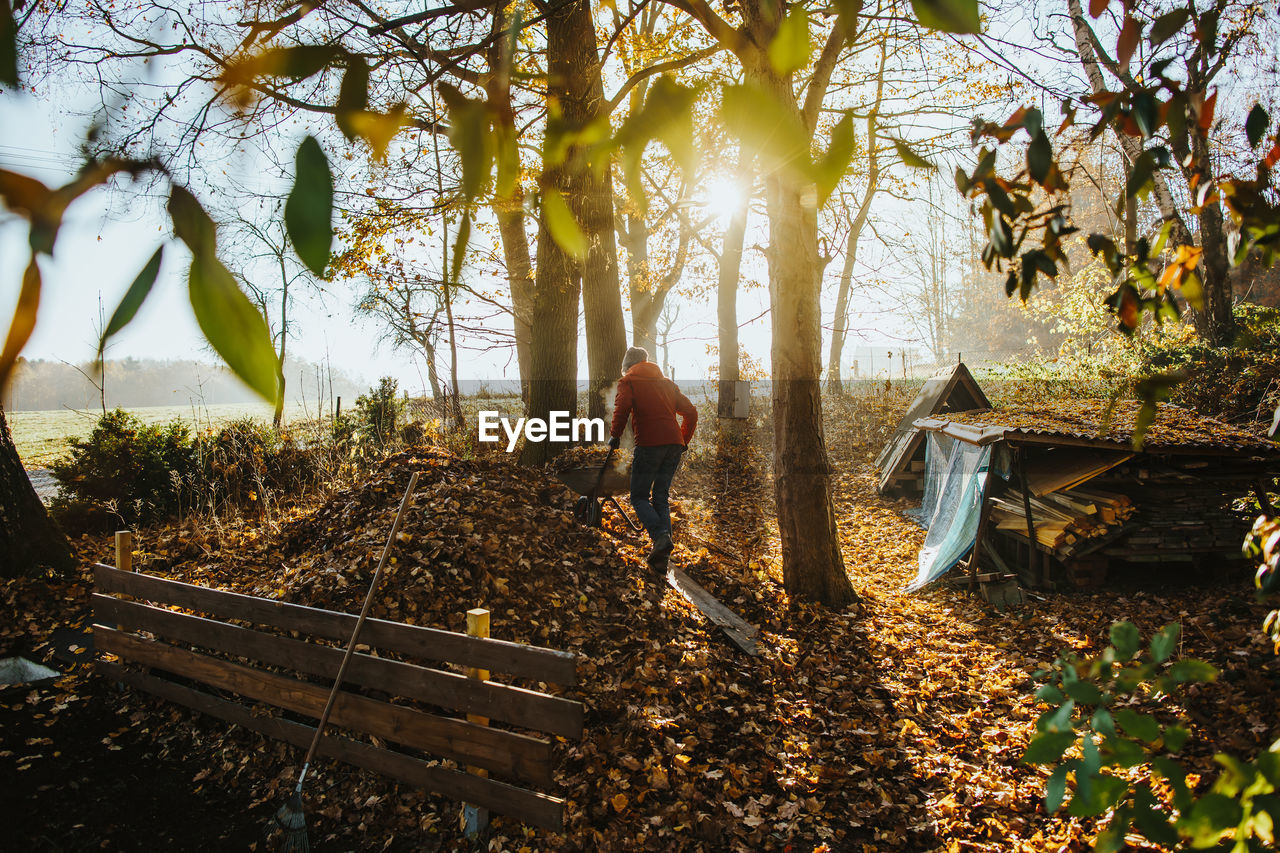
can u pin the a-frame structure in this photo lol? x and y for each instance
(901, 462)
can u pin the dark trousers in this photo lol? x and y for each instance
(652, 469)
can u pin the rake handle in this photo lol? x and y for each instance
(351, 646)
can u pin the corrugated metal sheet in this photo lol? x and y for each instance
(1175, 430)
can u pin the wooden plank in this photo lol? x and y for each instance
(525, 708)
(528, 806)
(503, 752)
(741, 632)
(415, 641)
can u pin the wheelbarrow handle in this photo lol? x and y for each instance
(595, 492)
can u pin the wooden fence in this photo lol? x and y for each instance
(122, 627)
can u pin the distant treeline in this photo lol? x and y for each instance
(129, 383)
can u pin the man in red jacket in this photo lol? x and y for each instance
(652, 401)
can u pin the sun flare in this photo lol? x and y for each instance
(723, 197)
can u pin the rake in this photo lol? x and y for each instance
(291, 817)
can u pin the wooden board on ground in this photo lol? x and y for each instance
(741, 632)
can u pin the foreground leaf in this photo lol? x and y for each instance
(308, 213)
(133, 299)
(233, 326)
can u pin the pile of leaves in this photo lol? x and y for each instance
(898, 724)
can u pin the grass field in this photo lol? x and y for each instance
(42, 436)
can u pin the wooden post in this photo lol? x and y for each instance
(475, 820)
(338, 411)
(124, 550)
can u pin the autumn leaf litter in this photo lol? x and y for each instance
(895, 725)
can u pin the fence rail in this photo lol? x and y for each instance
(144, 631)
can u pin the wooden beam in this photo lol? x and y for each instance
(741, 632)
(514, 659)
(502, 752)
(525, 708)
(527, 806)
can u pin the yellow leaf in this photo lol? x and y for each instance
(619, 802)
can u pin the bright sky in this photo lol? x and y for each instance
(109, 235)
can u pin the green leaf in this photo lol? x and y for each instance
(8, 46)
(1140, 176)
(1102, 722)
(308, 212)
(1139, 725)
(789, 50)
(911, 158)
(1055, 789)
(1175, 737)
(1209, 817)
(1101, 794)
(951, 16)
(1164, 641)
(1256, 124)
(233, 326)
(1165, 26)
(460, 247)
(668, 114)
(1191, 670)
(353, 95)
(296, 62)
(831, 167)
(1146, 114)
(1084, 691)
(133, 299)
(1047, 747)
(1039, 157)
(471, 136)
(191, 223)
(766, 125)
(1124, 635)
(1124, 752)
(563, 227)
(1176, 775)
(1148, 817)
(1050, 694)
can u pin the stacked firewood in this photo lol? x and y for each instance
(1066, 519)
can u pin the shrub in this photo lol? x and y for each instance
(124, 470)
(378, 412)
(1106, 738)
(246, 461)
(1239, 383)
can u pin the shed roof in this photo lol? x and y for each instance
(951, 389)
(1086, 422)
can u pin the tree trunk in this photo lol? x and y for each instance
(812, 565)
(509, 211)
(840, 331)
(592, 204)
(727, 292)
(640, 284)
(29, 538)
(278, 417)
(601, 286)
(558, 277)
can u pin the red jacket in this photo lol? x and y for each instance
(654, 401)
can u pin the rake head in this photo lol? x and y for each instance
(292, 821)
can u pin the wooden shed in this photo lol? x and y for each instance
(1067, 479)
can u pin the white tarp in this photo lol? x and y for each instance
(955, 480)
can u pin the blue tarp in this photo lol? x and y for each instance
(954, 487)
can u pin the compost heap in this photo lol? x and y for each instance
(689, 744)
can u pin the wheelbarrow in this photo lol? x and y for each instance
(596, 486)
